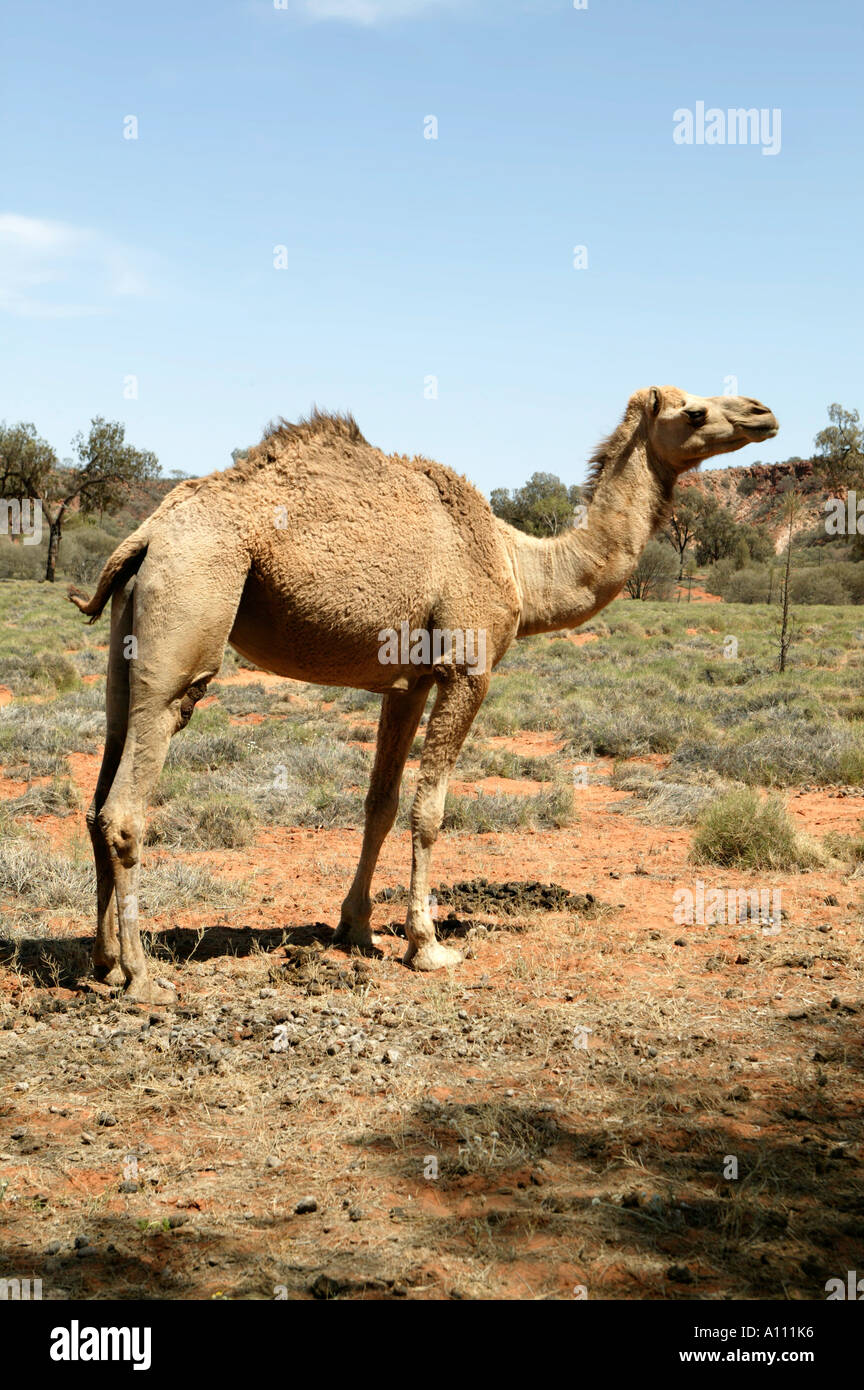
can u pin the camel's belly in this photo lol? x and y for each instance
(299, 648)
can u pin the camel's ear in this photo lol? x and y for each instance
(654, 400)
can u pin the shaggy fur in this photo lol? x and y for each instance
(301, 556)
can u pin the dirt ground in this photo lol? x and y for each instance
(597, 1103)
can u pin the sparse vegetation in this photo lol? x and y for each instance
(742, 829)
(575, 1043)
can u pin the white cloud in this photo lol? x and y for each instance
(53, 270)
(370, 11)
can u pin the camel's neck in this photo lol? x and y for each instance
(565, 581)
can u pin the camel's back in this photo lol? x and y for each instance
(332, 499)
(345, 541)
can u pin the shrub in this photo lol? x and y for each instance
(210, 823)
(800, 752)
(499, 811)
(751, 584)
(746, 831)
(812, 585)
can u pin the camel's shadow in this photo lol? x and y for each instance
(65, 961)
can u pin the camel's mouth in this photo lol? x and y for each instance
(761, 431)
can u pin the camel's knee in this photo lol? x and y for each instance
(427, 813)
(122, 833)
(425, 824)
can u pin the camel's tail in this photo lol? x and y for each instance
(125, 562)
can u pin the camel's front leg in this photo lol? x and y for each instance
(121, 821)
(397, 725)
(455, 706)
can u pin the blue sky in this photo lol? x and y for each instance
(409, 258)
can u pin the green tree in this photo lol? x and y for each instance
(840, 450)
(24, 455)
(715, 528)
(27, 461)
(680, 528)
(543, 507)
(106, 468)
(655, 573)
(719, 536)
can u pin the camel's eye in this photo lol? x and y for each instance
(696, 414)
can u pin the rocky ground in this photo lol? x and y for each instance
(598, 1102)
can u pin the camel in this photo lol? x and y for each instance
(306, 556)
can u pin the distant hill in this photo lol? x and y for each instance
(755, 494)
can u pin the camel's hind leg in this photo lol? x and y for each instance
(456, 704)
(397, 725)
(106, 947)
(179, 641)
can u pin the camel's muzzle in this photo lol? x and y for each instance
(756, 419)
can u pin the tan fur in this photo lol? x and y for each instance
(299, 556)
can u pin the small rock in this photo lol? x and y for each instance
(356, 1214)
(273, 1162)
(305, 1205)
(392, 1056)
(128, 1187)
(843, 1005)
(106, 1118)
(680, 1274)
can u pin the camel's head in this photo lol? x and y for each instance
(683, 430)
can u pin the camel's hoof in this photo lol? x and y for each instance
(347, 934)
(148, 992)
(434, 957)
(113, 976)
